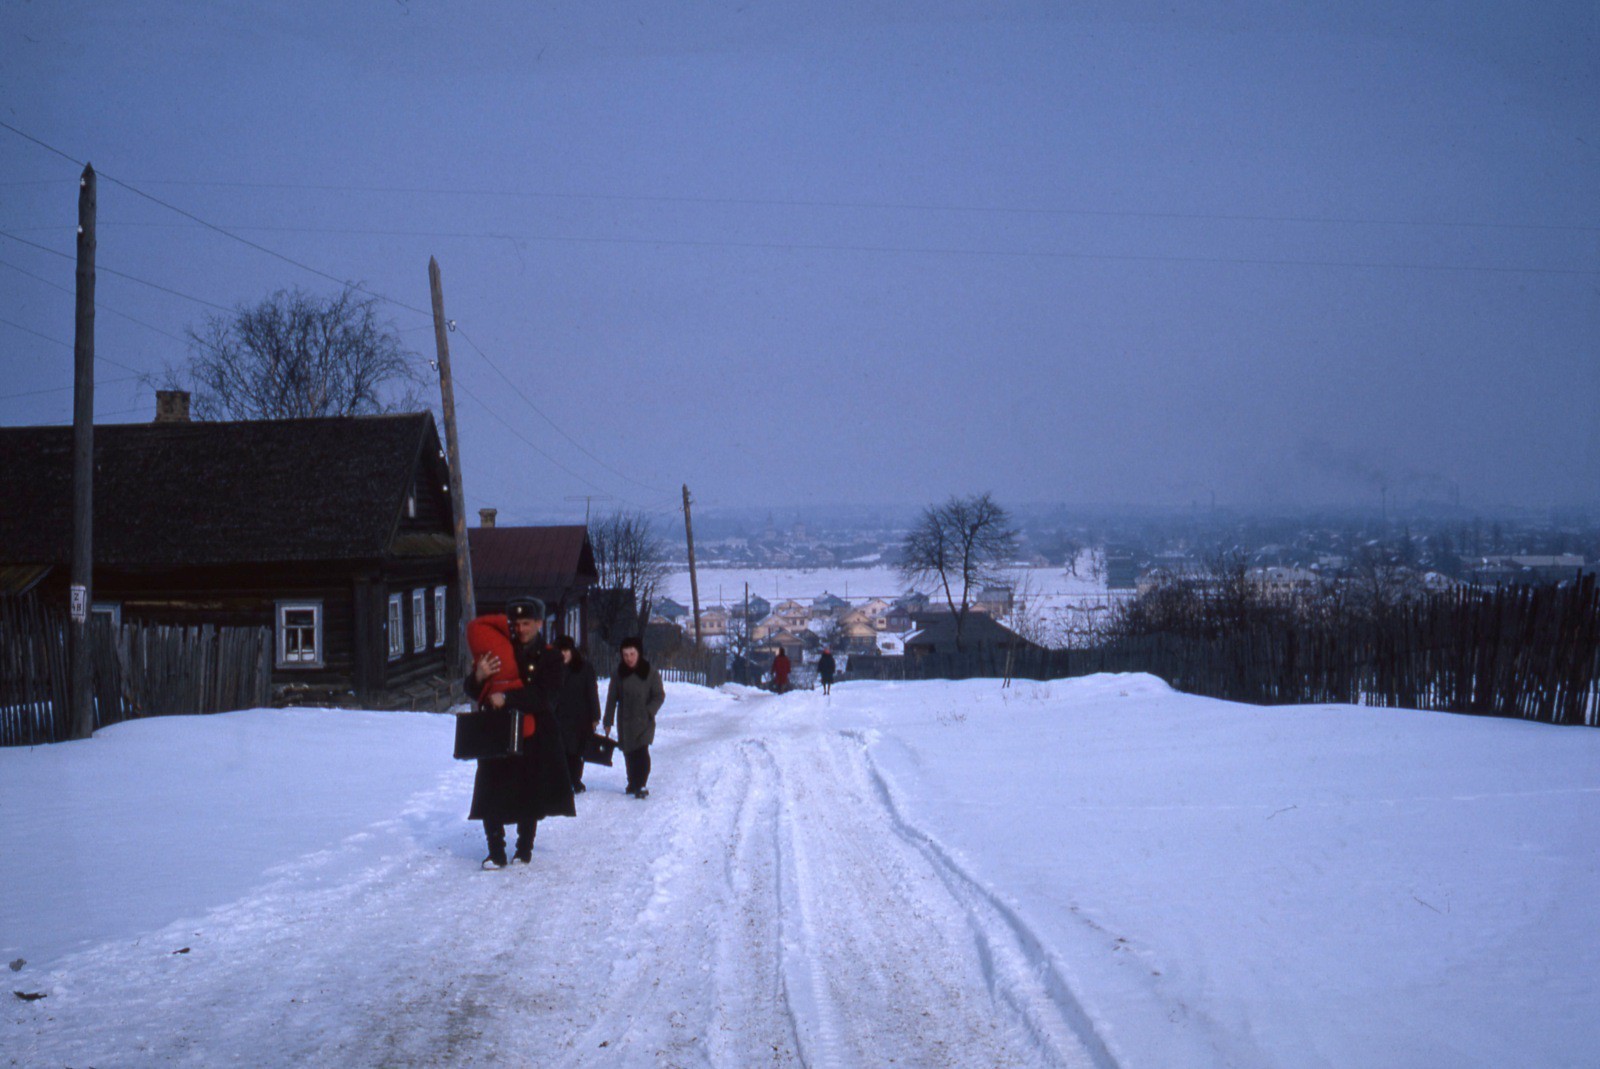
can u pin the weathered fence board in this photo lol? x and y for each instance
(1525, 652)
(139, 671)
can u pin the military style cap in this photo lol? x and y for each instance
(525, 608)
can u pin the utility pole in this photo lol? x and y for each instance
(458, 503)
(694, 583)
(586, 499)
(82, 580)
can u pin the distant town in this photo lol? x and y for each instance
(821, 580)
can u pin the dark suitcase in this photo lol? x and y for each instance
(600, 749)
(487, 733)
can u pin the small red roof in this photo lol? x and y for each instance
(553, 563)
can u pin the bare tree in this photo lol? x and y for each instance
(961, 545)
(295, 355)
(628, 556)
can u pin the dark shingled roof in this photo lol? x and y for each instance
(937, 632)
(215, 493)
(546, 562)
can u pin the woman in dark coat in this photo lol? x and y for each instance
(534, 784)
(577, 707)
(632, 700)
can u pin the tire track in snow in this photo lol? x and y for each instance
(879, 959)
(1018, 967)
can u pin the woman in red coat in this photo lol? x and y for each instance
(780, 672)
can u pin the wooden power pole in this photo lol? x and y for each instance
(452, 445)
(694, 583)
(82, 580)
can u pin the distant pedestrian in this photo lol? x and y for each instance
(577, 707)
(780, 671)
(633, 698)
(825, 670)
(534, 783)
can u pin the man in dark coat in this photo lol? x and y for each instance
(825, 670)
(577, 706)
(533, 784)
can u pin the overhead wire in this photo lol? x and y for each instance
(69, 345)
(922, 250)
(883, 205)
(214, 227)
(542, 415)
(102, 269)
(99, 305)
(60, 389)
(508, 425)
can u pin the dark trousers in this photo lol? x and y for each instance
(575, 769)
(495, 832)
(638, 762)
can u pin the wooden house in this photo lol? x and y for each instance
(336, 533)
(554, 564)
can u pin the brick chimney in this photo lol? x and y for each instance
(486, 517)
(172, 406)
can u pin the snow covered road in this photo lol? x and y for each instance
(766, 906)
(1096, 872)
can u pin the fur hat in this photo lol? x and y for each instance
(525, 608)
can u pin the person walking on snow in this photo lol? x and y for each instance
(532, 784)
(632, 700)
(780, 672)
(577, 707)
(825, 669)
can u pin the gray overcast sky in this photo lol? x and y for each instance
(866, 252)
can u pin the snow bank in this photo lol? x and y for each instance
(1088, 872)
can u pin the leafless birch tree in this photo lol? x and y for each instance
(295, 355)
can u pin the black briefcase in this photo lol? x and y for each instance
(600, 749)
(487, 733)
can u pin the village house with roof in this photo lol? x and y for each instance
(334, 533)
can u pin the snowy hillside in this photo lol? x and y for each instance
(1094, 872)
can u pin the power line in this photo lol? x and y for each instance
(879, 205)
(212, 226)
(529, 402)
(101, 269)
(69, 345)
(1039, 254)
(97, 303)
(61, 389)
(508, 425)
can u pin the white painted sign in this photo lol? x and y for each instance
(80, 603)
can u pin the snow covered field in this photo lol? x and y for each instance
(1057, 603)
(1094, 872)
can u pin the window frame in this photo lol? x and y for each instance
(441, 615)
(280, 630)
(396, 628)
(419, 621)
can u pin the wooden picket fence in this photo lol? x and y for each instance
(1525, 652)
(138, 670)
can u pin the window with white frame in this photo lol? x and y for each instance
(419, 621)
(107, 610)
(299, 627)
(574, 622)
(397, 628)
(438, 616)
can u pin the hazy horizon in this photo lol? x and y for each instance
(858, 252)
